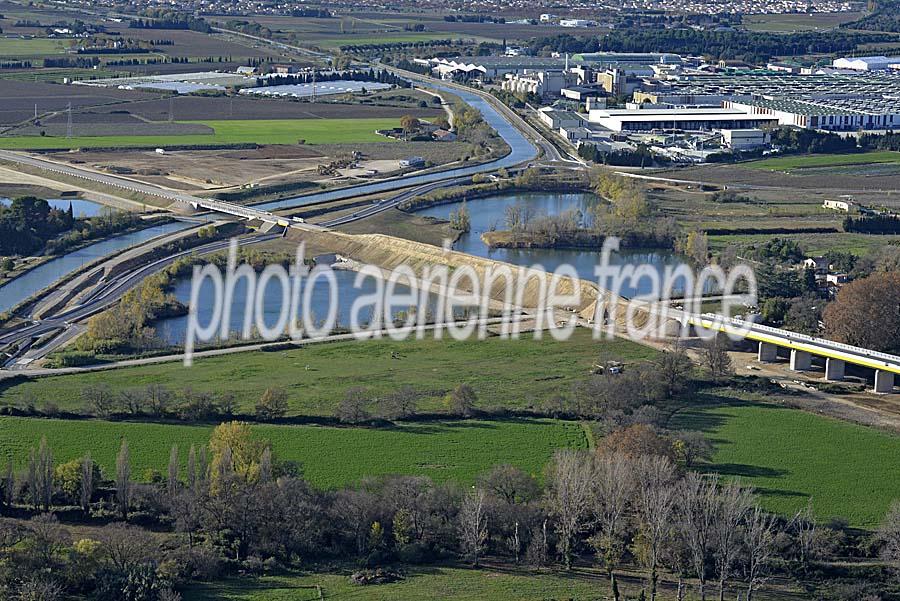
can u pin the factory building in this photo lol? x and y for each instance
(694, 119)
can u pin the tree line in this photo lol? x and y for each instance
(233, 507)
(752, 47)
(30, 225)
(379, 76)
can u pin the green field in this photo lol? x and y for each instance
(15, 48)
(787, 163)
(275, 131)
(330, 457)
(502, 372)
(442, 583)
(812, 244)
(790, 456)
(798, 22)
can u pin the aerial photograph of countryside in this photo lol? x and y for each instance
(451, 300)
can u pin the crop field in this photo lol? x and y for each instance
(195, 108)
(195, 44)
(502, 372)
(16, 48)
(275, 131)
(801, 183)
(812, 244)
(784, 23)
(391, 38)
(330, 457)
(790, 456)
(18, 99)
(788, 163)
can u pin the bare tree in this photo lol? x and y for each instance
(48, 539)
(172, 480)
(99, 399)
(760, 531)
(696, 518)
(889, 536)
(123, 479)
(8, 485)
(158, 399)
(568, 498)
(44, 480)
(31, 479)
(473, 520)
(400, 403)
(462, 400)
(716, 359)
(614, 484)
(42, 587)
(272, 405)
(87, 482)
(192, 468)
(673, 369)
(691, 446)
(654, 505)
(265, 466)
(734, 504)
(352, 408)
(804, 523)
(132, 400)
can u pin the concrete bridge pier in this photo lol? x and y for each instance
(800, 360)
(768, 353)
(834, 369)
(884, 382)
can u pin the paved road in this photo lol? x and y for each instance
(103, 296)
(392, 202)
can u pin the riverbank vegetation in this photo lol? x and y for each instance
(126, 327)
(30, 226)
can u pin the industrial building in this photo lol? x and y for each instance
(692, 119)
(867, 100)
(864, 63)
(542, 83)
(744, 139)
(495, 67)
(835, 115)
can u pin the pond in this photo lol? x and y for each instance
(489, 213)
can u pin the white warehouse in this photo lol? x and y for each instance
(864, 63)
(692, 119)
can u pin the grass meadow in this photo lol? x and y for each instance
(18, 48)
(441, 583)
(271, 131)
(507, 373)
(789, 456)
(330, 457)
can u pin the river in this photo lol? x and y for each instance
(32, 282)
(521, 150)
(80, 208)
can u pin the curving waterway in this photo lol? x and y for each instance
(521, 149)
(32, 282)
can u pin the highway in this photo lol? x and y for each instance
(102, 297)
